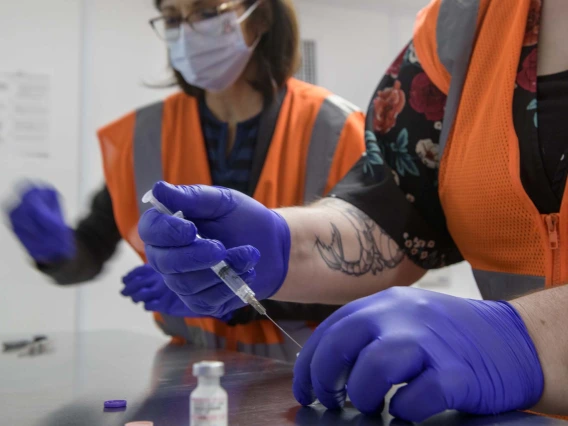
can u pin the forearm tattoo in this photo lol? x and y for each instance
(376, 251)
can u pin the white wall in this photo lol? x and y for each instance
(45, 37)
(356, 40)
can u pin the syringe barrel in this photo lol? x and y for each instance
(223, 271)
(233, 281)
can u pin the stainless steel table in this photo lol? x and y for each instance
(67, 382)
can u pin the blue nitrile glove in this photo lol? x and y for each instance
(144, 284)
(232, 221)
(38, 222)
(468, 355)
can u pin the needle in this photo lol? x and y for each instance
(282, 330)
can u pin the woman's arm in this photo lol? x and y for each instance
(390, 228)
(339, 254)
(545, 316)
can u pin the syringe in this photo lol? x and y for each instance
(223, 270)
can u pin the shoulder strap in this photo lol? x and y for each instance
(455, 34)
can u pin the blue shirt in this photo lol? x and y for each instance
(229, 169)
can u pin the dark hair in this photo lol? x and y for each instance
(277, 55)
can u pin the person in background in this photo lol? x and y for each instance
(241, 121)
(466, 158)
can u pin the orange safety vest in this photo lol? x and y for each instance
(308, 140)
(470, 49)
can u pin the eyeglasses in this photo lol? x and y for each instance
(168, 28)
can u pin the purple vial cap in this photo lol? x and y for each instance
(117, 403)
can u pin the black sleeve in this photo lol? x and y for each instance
(96, 238)
(396, 181)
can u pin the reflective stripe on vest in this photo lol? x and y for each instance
(501, 286)
(147, 149)
(195, 336)
(324, 140)
(455, 34)
(325, 136)
(175, 326)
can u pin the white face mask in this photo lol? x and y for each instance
(212, 62)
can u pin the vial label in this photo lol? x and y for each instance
(209, 412)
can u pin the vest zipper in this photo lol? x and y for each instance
(554, 240)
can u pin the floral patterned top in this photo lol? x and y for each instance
(396, 181)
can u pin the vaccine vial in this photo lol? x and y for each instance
(208, 402)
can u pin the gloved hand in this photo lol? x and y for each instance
(232, 221)
(144, 284)
(38, 222)
(468, 355)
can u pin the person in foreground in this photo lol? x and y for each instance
(464, 161)
(481, 357)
